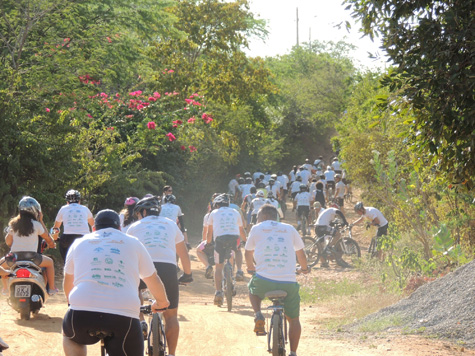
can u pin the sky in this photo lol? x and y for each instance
(317, 20)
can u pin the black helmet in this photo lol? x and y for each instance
(107, 218)
(359, 206)
(150, 203)
(270, 195)
(299, 178)
(170, 199)
(303, 188)
(271, 181)
(30, 205)
(241, 180)
(221, 200)
(72, 196)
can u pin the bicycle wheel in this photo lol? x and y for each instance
(312, 250)
(228, 276)
(278, 342)
(372, 249)
(158, 346)
(350, 247)
(303, 226)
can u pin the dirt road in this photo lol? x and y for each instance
(207, 330)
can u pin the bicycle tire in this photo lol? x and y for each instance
(303, 226)
(228, 275)
(278, 342)
(372, 249)
(158, 337)
(351, 247)
(312, 251)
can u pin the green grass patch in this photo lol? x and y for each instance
(325, 290)
(381, 324)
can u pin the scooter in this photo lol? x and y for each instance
(26, 284)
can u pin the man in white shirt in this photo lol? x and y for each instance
(76, 219)
(340, 189)
(226, 228)
(271, 253)
(101, 277)
(329, 178)
(305, 174)
(302, 202)
(375, 217)
(336, 166)
(163, 240)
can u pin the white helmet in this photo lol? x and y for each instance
(30, 205)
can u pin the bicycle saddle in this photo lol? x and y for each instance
(276, 294)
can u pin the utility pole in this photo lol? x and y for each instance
(297, 26)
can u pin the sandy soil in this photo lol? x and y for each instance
(211, 331)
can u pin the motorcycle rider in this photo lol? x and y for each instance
(22, 236)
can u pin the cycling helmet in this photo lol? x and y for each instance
(241, 180)
(271, 181)
(299, 178)
(261, 185)
(170, 199)
(317, 205)
(248, 180)
(30, 205)
(131, 201)
(247, 174)
(73, 196)
(338, 176)
(107, 218)
(359, 206)
(221, 200)
(329, 168)
(303, 188)
(270, 195)
(260, 194)
(150, 203)
(273, 176)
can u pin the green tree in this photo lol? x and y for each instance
(431, 45)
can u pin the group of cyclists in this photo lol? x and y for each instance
(106, 270)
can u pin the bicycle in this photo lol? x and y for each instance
(315, 248)
(277, 335)
(228, 283)
(156, 340)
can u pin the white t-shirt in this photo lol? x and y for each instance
(326, 216)
(274, 245)
(256, 204)
(26, 243)
(284, 180)
(246, 189)
(329, 176)
(303, 199)
(107, 266)
(74, 217)
(308, 166)
(340, 187)
(257, 175)
(275, 189)
(373, 213)
(225, 221)
(171, 211)
(305, 176)
(233, 186)
(295, 186)
(159, 236)
(336, 165)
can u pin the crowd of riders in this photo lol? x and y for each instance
(107, 269)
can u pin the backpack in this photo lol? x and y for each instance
(320, 197)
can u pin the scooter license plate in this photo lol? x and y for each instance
(22, 291)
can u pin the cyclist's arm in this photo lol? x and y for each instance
(375, 221)
(204, 233)
(9, 239)
(302, 260)
(90, 221)
(68, 284)
(357, 221)
(242, 233)
(182, 252)
(209, 236)
(181, 223)
(249, 256)
(45, 235)
(155, 286)
(340, 214)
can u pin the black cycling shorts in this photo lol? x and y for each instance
(126, 333)
(224, 242)
(303, 210)
(331, 184)
(340, 202)
(322, 230)
(383, 230)
(65, 242)
(167, 273)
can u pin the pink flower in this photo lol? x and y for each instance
(157, 95)
(192, 148)
(109, 39)
(178, 122)
(129, 116)
(152, 98)
(171, 71)
(183, 147)
(206, 118)
(151, 125)
(189, 101)
(104, 95)
(175, 126)
(171, 136)
(191, 120)
(89, 115)
(48, 110)
(117, 95)
(111, 128)
(138, 92)
(140, 107)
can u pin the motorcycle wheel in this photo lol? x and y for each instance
(25, 313)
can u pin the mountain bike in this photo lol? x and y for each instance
(228, 284)
(156, 340)
(315, 247)
(277, 335)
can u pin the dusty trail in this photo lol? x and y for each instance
(207, 330)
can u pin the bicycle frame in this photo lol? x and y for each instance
(277, 320)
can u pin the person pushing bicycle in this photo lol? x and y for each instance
(272, 249)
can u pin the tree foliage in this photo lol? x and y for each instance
(431, 45)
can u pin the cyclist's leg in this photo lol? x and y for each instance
(295, 329)
(172, 329)
(48, 263)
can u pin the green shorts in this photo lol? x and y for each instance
(259, 287)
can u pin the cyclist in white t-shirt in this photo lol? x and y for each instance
(302, 201)
(340, 190)
(225, 227)
(101, 277)
(271, 253)
(76, 220)
(163, 240)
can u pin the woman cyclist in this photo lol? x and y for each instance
(22, 236)
(127, 216)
